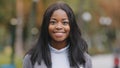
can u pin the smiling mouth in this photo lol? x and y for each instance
(59, 34)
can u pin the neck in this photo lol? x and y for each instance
(58, 45)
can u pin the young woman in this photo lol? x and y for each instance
(60, 44)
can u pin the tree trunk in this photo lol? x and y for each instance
(19, 29)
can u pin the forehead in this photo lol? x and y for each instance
(59, 12)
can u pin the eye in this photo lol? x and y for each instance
(65, 22)
(52, 22)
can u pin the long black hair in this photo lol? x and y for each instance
(41, 52)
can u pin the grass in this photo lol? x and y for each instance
(5, 58)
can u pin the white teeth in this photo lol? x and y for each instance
(58, 33)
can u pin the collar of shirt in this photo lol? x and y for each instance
(54, 50)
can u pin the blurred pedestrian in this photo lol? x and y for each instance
(60, 44)
(116, 62)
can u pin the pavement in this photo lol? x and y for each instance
(103, 61)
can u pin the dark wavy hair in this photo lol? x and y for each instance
(41, 52)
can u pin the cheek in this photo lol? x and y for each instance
(50, 29)
(68, 29)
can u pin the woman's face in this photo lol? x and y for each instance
(59, 27)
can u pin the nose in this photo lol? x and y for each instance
(59, 26)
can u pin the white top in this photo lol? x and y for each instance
(59, 60)
(59, 57)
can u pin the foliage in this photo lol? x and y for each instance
(5, 11)
(5, 55)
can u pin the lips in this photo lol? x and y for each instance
(59, 34)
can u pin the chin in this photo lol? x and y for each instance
(59, 40)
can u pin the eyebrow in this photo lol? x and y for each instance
(53, 19)
(62, 19)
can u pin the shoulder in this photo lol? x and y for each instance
(87, 56)
(88, 60)
(27, 58)
(27, 61)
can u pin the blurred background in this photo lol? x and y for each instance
(99, 21)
